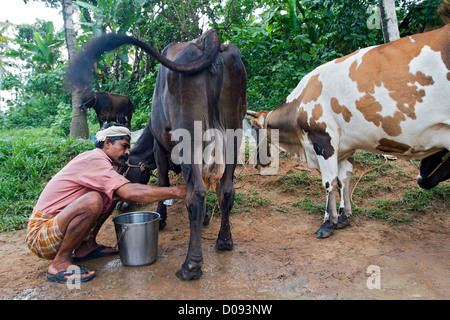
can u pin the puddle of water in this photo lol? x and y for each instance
(222, 279)
(237, 275)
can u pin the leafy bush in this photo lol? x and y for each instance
(140, 119)
(28, 159)
(37, 101)
(289, 42)
(63, 119)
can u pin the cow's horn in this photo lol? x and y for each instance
(251, 113)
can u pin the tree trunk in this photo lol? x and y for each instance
(389, 20)
(79, 127)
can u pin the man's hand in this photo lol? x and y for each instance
(181, 192)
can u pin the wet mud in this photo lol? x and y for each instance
(275, 256)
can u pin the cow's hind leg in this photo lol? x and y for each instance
(345, 177)
(329, 169)
(226, 193)
(196, 206)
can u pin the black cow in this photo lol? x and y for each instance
(434, 169)
(109, 107)
(201, 85)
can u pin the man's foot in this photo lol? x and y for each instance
(74, 273)
(99, 252)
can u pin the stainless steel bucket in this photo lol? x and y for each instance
(137, 237)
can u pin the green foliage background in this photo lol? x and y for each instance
(280, 42)
(28, 159)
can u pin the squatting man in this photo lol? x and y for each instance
(77, 201)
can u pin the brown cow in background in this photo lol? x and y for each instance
(109, 107)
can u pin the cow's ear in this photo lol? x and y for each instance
(258, 122)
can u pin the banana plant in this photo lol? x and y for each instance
(45, 47)
(96, 27)
(46, 50)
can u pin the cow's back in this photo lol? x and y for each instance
(220, 89)
(216, 96)
(211, 100)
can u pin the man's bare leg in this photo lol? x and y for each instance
(88, 245)
(75, 222)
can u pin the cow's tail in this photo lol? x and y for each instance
(80, 67)
(444, 11)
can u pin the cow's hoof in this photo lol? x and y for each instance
(224, 245)
(325, 230)
(187, 275)
(343, 221)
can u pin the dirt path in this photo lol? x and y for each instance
(275, 256)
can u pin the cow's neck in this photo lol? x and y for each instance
(284, 119)
(93, 102)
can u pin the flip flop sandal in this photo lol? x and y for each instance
(94, 254)
(60, 277)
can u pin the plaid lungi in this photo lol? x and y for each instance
(43, 235)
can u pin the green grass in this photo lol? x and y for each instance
(292, 180)
(414, 200)
(243, 202)
(28, 159)
(309, 205)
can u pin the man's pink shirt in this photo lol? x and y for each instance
(89, 171)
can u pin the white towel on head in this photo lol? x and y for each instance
(114, 131)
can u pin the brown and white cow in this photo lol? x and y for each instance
(393, 98)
